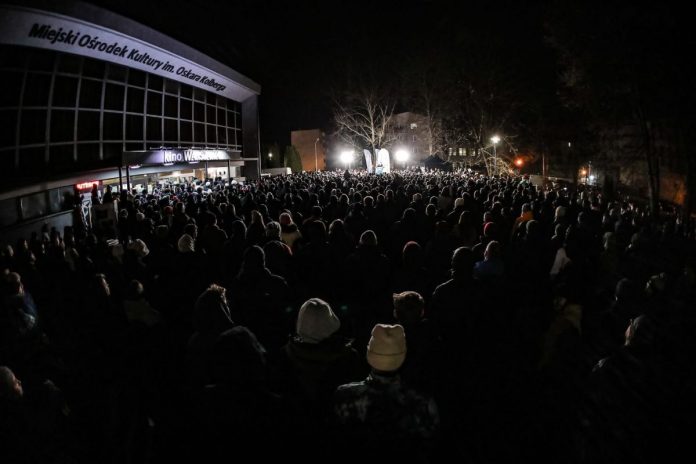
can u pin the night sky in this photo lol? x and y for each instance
(303, 52)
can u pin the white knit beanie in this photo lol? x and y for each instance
(386, 350)
(185, 244)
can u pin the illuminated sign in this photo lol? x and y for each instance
(169, 157)
(41, 29)
(87, 185)
(193, 156)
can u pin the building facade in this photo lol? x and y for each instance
(310, 146)
(87, 94)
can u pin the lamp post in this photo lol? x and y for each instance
(519, 163)
(495, 139)
(316, 164)
(347, 157)
(402, 156)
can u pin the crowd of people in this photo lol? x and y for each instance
(342, 316)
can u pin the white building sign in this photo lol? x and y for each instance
(41, 29)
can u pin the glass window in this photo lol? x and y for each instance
(198, 94)
(12, 57)
(154, 82)
(112, 151)
(186, 91)
(55, 201)
(11, 88)
(36, 89)
(65, 91)
(90, 94)
(32, 160)
(221, 139)
(171, 106)
(198, 112)
(210, 97)
(34, 205)
(88, 153)
(8, 123)
(231, 119)
(87, 126)
(154, 129)
(133, 146)
(154, 103)
(93, 68)
(221, 117)
(40, 60)
(113, 97)
(211, 134)
(68, 63)
(136, 77)
(62, 125)
(135, 100)
(117, 73)
(113, 126)
(239, 140)
(61, 156)
(33, 127)
(231, 137)
(185, 109)
(8, 212)
(171, 87)
(186, 133)
(134, 127)
(199, 133)
(210, 114)
(171, 130)
(68, 197)
(220, 101)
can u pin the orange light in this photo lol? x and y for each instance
(518, 162)
(87, 185)
(583, 172)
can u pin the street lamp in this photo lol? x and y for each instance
(519, 163)
(495, 139)
(402, 156)
(347, 157)
(316, 163)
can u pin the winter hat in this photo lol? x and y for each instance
(316, 321)
(386, 350)
(285, 219)
(162, 231)
(185, 244)
(490, 229)
(139, 247)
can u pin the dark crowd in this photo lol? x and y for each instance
(348, 317)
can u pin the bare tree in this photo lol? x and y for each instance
(364, 119)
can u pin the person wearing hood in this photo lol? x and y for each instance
(371, 289)
(211, 317)
(260, 299)
(237, 404)
(527, 215)
(455, 303)
(289, 233)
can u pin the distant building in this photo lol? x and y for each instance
(412, 134)
(309, 144)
